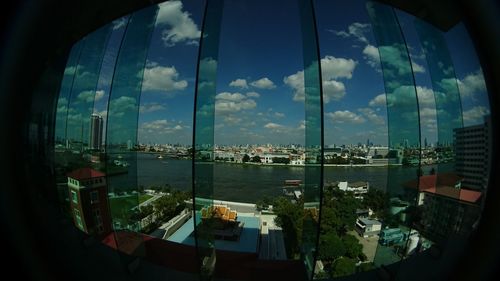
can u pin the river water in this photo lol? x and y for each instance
(248, 183)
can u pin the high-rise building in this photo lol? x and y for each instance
(96, 127)
(472, 154)
(89, 201)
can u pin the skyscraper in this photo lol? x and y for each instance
(96, 127)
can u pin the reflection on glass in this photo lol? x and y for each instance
(396, 237)
(205, 213)
(314, 138)
(83, 91)
(449, 118)
(61, 150)
(121, 131)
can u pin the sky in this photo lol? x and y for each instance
(259, 86)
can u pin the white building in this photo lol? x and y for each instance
(367, 227)
(359, 188)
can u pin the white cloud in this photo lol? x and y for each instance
(150, 107)
(273, 126)
(239, 83)
(160, 126)
(475, 115)
(263, 83)
(345, 116)
(118, 107)
(232, 120)
(279, 114)
(90, 96)
(253, 95)
(425, 96)
(417, 68)
(379, 100)
(333, 68)
(397, 60)
(98, 95)
(119, 23)
(372, 57)
(356, 30)
(233, 102)
(472, 84)
(372, 116)
(332, 89)
(162, 78)
(236, 97)
(181, 27)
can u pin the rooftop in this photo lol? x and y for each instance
(85, 173)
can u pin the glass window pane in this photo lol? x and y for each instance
(121, 131)
(404, 133)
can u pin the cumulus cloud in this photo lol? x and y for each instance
(372, 57)
(239, 83)
(162, 78)
(263, 83)
(160, 126)
(118, 107)
(372, 116)
(230, 97)
(356, 30)
(273, 126)
(333, 68)
(279, 114)
(90, 96)
(425, 96)
(475, 115)
(345, 116)
(233, 102)
(150, 107)
(181, 28)
(471, 84)
(379, 100)
(253, 95)
(397, 60)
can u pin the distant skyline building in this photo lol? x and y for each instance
(472, 154)
(96, 129)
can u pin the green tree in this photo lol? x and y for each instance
(331, 247)
(246, 158)
(353, 249)
(289, 217)
(256, 159)
(343, 267)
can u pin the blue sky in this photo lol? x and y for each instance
(259, 79)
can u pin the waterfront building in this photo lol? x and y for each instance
(447, 207)
(359, 188)
(472, 154)
(89, 201)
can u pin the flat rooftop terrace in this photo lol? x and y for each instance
(247, 243)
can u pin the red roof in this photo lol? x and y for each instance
(444, 184)
(85, 173)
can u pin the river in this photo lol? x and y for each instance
(248, 183)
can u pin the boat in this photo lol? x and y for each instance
(293, 182)
(159, 157)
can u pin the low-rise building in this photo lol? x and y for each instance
(359, 188)
(89, 201)
(368, 227)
